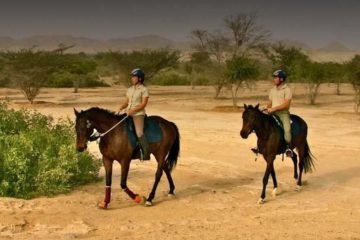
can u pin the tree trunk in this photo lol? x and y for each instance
(338, 88)
(76, 85)
(313, 89)
(357, 100)
(218, 88)
(234, 93)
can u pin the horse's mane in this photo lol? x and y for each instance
(267, 117)
(106, 113)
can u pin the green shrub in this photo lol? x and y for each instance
(38, 156)
(167, 79)
(61, 80)
(5, 82)
(65, 79)
(202, 81)
(91, 80)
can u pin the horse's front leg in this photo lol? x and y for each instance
(108, 178)
(125, 166)
(269, 168)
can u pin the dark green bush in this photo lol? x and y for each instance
(65, 79)
(202, 81)
(5, 82)
(167, 79)
(38, 156)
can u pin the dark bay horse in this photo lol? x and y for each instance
(115, 145)
(271, 142)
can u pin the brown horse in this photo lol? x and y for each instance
(115, 145)
(271, 142)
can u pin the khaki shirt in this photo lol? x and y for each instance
(278, 95)
(135, 95)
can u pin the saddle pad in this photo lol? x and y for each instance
(152, 130)
(295, 126)
(294, 123)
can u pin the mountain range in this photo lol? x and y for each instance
(89, 45)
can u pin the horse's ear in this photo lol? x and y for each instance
(257, 106)
(245, 106)
(76, 112)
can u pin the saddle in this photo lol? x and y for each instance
(294, 124)
(152, 133)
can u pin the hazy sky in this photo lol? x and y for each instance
(315, 22)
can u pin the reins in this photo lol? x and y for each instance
(97, 135)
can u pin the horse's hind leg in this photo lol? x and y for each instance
(301, 167)
(294, 158)
(158, 175)
(273, 176)
(170, 180)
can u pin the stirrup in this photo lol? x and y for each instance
(142, 155)
(289, 153)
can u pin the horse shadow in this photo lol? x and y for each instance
(213, 185)
(339, 177)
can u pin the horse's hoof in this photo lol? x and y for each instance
(298, 188)
(274, 191)
(148, 204)
(139, 199)
(171, 195)
(102, 205)
(261, 201)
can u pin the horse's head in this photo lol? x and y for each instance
(250, 116)
(84, 129)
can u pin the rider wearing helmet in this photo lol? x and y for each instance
(279, 104)
(136, 99)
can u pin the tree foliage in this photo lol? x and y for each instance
(241, 71)
(151, 61)
(353, 74)
(242, 37)
(29, 69)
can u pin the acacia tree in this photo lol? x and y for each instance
(151, 61)
(298, 67)
(78, 66)
(314, 76)
(242, 37)
(215, 45)
(199, 64)
(248, 37)
(353, 74)
(240, 70)
(29, 70)
(335, 74)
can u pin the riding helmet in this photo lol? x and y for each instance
(280, 73)
(139, 73)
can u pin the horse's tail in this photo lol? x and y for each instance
(308, 159)
(173, 155)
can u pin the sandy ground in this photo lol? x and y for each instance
(217, 180)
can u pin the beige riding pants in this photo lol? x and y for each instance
(139, 125)
(285, 119)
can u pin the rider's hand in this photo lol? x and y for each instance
(129, 112)
(270, 110)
